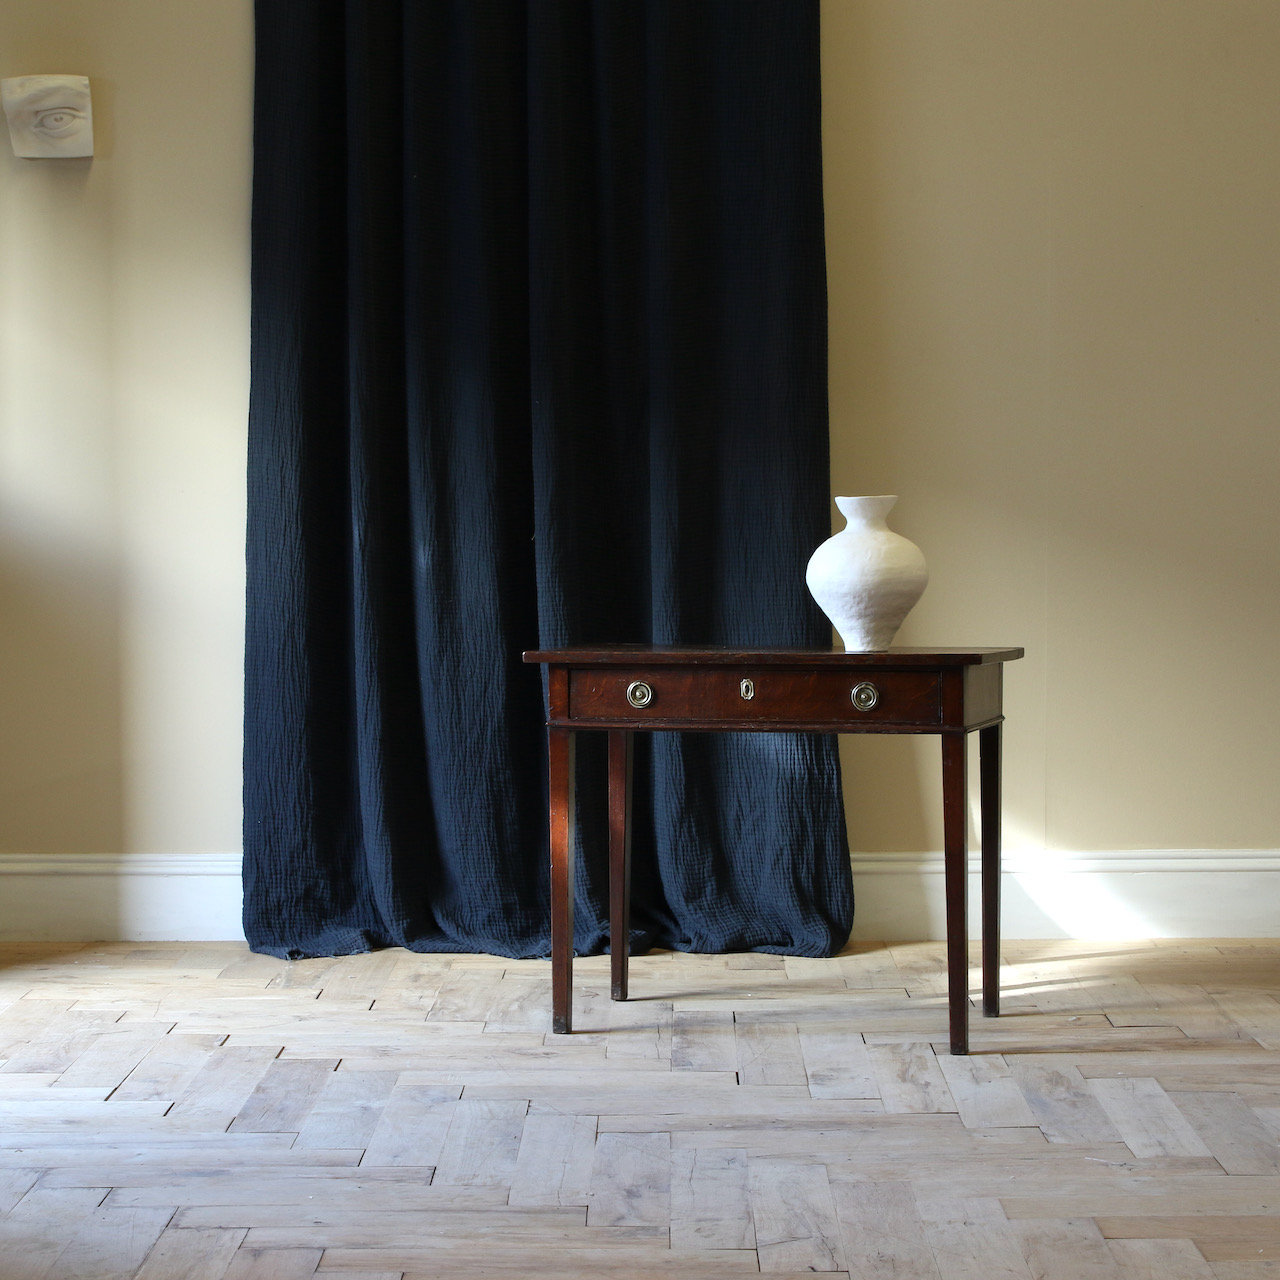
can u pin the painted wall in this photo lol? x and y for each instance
(1054, 275)
(1055, 302)
(123, 393)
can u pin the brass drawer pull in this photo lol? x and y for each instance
(864, 696)
(639, 694)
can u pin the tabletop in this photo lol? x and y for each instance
(605, 655)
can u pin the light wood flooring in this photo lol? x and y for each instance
(192, 1111)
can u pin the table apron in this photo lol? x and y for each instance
(652, 725)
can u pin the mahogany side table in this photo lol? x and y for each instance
(624, 689)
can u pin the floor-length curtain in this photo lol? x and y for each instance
(538, 358)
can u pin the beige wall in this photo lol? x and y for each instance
(123, 392)
(1053, 236)
(1054, 254)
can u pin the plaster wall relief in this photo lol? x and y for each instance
(50, 117)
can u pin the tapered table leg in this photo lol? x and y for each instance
(955, 852)
(560, 777)
(620, 742)
(989, 783)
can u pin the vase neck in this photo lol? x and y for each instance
(867, 512)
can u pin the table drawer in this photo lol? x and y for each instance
(766, 695)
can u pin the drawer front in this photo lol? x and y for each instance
(762, 695)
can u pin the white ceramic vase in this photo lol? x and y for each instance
(866, 578)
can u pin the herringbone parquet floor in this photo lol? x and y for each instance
(182, 1112)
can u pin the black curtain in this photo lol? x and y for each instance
(538, 358)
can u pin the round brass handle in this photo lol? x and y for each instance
(864, 696)
(639, 694)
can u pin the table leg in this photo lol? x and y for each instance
(989, 783)
(620, 741)
(560, 778)
(955, 841)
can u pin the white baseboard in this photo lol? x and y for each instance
(1142, 893)
(1105, 894)
(114, 897)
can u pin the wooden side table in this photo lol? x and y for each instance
(624, 689)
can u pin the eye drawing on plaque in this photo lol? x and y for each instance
(50, 117)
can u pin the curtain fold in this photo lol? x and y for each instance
(538, 359)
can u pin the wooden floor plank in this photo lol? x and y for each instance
(23, 1020)
(411, 1192)
(220, 1088)
(1230, 1131)
(56, 1045)
(357, 979)
(1059, 1098)
(676, 1266)
(414, 1122)
(1160, 1260)
(867, 965)
(37, 1230)
(191, 1254)
(1237, 1199)
(703, 1041)
(1066, 1249)
(482, 1145)
(1184, 1005)
(72, 1115)
(985, 1092)
(987, 1173)
(23, 1083)
(922, 965)
(285, 1095)
(836, 1061)
(782, 1108)
(273, 1264)
(1259, 1268)
(553, 1164)
(1226, 1231)
(14, 1184)
(710, 1200)
(884, 1238)
(347, 1112)
(1255, 1012)
(465, 996)
(519, 1004)
(631, 1181)
(768, 1052)
(796, 1226)
(470, 1260)
(110, 1243)
(108, 1058)
(168, 1067)
(639, 1031)
(829, 1146)
(417, 1232)
(972, 1239)
(95, 1151)
(909, 1079)
(1146, 1118)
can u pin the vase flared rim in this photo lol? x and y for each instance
(879, 504)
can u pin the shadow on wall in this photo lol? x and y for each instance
(61, 767)
(61, 697)
(877, 767)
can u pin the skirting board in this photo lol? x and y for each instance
(105, 897)
(1103, 894)
(1196, 893)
